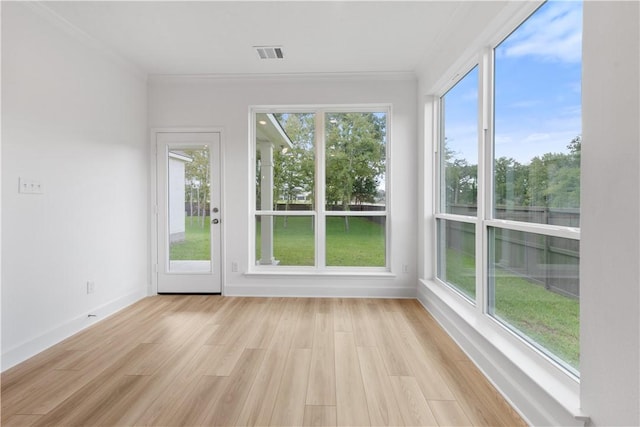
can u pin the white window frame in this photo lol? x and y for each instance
(483, 57)
(439, 214)
(320, 213)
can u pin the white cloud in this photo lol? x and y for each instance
(503, 139)
(537, 137)
(554, 33)
(524, 140)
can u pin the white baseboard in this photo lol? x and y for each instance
(320, 291)
(34, 346)
(537, 404)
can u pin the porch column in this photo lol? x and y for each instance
(266, 197)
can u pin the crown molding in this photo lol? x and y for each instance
(346, 76)
(40, 8)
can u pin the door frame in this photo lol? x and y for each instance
(153, 198)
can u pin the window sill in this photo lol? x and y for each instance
(485, 342)
(381, 274)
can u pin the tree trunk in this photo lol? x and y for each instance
(198, 201)
(346, 218)
(190, 205)
(286, 218)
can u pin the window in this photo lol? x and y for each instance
(533, 273)
(321, 188)
(517, 197)
(457, 255)
(285, 183)
(458, 185)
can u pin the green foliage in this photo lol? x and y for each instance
(197, 184)
(294, 170)
(511, 182)
(461, 180)
(354, 162)
(355, 157)
(551, 180)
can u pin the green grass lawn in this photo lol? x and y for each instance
(196, 245)
(362, 246)
(548, 318)
(461, 272)
(293, 242)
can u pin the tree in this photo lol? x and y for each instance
(551, 180)
(197, 182)
(460, 179)
(563, 176)
(294, 168)
(511, 183)
(355, 158)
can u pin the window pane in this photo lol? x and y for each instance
(459, 147)
(538, 118)
(457, 255)
(188, 210)
(285, 240)
(534, 288)
(355, 241)
(355, 160)
(285, 163)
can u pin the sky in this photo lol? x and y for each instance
(537, 89)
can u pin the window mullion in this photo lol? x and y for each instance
(485, 172)
(320, 190)
(489, 76)
(481, 197)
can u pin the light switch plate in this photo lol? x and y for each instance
(29, 186)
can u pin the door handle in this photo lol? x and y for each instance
(215, 221)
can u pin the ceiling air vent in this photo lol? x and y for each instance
(269, 52)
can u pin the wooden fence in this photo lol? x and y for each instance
(549, 261)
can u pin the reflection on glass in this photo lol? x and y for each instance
(355, 156)
(459, 147)
(188, 208)
(457, 255)
(285, 240)
(538, 122)
(356, 241)
(285, 161)
(534, 289)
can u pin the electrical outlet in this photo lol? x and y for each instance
(405, 268)
(91, 287)
(234, 267)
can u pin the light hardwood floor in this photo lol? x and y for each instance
(211, 360)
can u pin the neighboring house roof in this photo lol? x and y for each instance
(180, 156)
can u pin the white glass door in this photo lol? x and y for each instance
(189, 258)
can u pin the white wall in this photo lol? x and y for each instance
(609, 389)
(76, 121)
(610, 224)
(198, 102)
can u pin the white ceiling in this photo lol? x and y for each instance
(216, 37)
